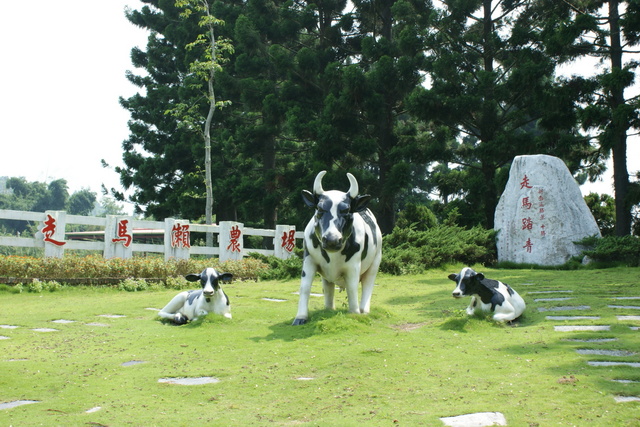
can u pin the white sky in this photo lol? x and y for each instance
(63, 69)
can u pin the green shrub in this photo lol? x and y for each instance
(279, 269)
(96, 267)
(38, 286)
(408, 251)
(613, 250)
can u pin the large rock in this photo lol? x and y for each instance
(541, 213)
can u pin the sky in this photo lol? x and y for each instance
(62, 73)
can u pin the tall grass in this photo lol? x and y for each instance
(417, 357)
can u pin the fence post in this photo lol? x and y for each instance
(118, 237)
(231, 240)
(177, 239)
(284, 241)
(52, 233)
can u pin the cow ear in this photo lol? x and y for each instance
(225, 277)
(453, 277)
(360, 203)
(480, 276)
(309, 199)
(192, 277)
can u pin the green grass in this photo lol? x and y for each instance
(415, 358)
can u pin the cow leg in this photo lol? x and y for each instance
(368, 280)
(308, 271)
(328, 289)
(351, 283)
(170, 311)
(472, 306)
(504, 312)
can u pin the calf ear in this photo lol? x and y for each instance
(225, 277)
(192, 277)
(360, 203)
(453, 277)
(309, 199)
(480, 276)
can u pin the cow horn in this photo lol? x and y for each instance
(317, 184)
(353, 190)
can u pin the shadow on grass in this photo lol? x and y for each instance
(324, 322)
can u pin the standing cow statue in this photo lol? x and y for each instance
(488, 295)
(343, 243)
(190, 305)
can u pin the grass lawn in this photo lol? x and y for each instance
(417, 357)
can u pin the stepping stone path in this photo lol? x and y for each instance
(584, 315)
(482, 419)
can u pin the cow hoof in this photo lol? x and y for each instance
(299, 322)
(179, 319)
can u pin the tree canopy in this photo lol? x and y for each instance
(423, 102)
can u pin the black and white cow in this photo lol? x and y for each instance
(488, 295)
(343, 243)
(190, 305)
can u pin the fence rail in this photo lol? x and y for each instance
(122, 236)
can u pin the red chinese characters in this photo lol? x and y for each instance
(49, 230)
(234, 239)
(122, 234)
(180, 236)
(535, 218)
(289, 240)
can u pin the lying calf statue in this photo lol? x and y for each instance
(488, 295)
(190, 305)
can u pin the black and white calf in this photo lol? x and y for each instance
(343, 243)
(190, 305)
(488, 295)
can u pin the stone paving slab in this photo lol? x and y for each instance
(552, 299)
(572, 317)
(549, 292)
(582, 328)
(16, 403)
(479, 419)
(621, 399)
(189, 381)
(606, 363)
(565, 308)
(598, 352)
(628, 317)
(626, 307)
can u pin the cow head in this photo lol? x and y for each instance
(209, 280)
(334, 212)
(466, 282)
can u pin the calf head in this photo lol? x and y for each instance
(209, 280)
(334, 212)
(468, 282)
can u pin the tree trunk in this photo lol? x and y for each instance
(619, 144)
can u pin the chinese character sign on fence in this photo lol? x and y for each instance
(180, 236)
(234, 239)
(289, 240)
(122, 235)
(49, 230)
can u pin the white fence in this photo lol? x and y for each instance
(121, 236)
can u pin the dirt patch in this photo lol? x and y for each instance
(409, 326)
